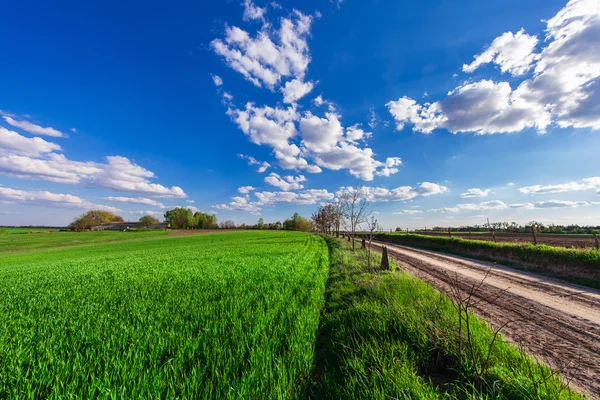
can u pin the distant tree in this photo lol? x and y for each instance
(148, 222)
(94, 218)
(398, 229)
(228, 224)
(289, 225)
(302, 224)
(260, 224)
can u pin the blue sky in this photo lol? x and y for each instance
(449, 112)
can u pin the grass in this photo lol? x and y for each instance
(386, 335)
(577, 265)
(53, 240)
(13, 230)
(233, 315)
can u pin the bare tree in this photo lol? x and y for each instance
(355, 208)
(372, 227)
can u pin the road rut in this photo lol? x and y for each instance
(557, 322)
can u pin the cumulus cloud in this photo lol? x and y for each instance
(45, 198)
(483, 107)
(263, 165)
(583, 185)
(216, 80)
(285, 183)
(12, 141)
(136, 200)
(32, 128)
(563, 89)
(378, 194)
(475, 192)
(239, 203)
(311, 196)
(252, 11)
(444, 210)
(246, 189)
(390, 167)
(296, 89)
(117, 174)
(513, 53)
(271, 55)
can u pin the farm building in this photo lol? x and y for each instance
(121, 226)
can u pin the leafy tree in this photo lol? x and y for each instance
(148, 222)
(260, 224)
(303, 224)
(94, 218)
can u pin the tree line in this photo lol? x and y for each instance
(513, 227)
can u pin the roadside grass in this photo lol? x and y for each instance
(387, 335)
(209, 316)
(581, 266)
(49, 240)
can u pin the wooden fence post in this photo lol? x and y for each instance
(385, 262)
(469, 235)
(597, 243)
(449, 232)
(533, 233)
(363, 244)
(348, 237)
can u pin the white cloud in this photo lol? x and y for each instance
(318, 101)
(32, 128)
(475, 192)
(311, 196)
(45, 198)
(246, 189)
(513, 53)
(483, 107)
(373, 118)
(216, 80)
(272, 54)
(584, 185)
(240, 204)
(407, 212)
(252, 11)
(252, 161)
(296, 89)
(563, 90)
(285, 183)
(136, 200)
(444, 210)
(550, 204)
(378, 194)
(486, 205)
(390, 167)
(10, 140)
(117, 174)
(355, 134)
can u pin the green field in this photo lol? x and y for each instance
(11, 230)
(209, 316)
(53, 240)
(235, 315)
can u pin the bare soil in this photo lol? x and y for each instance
(578, 241)
(556, 322)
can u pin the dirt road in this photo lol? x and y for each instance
(557, 322)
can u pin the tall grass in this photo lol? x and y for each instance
(214, 316)
(387, 335)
